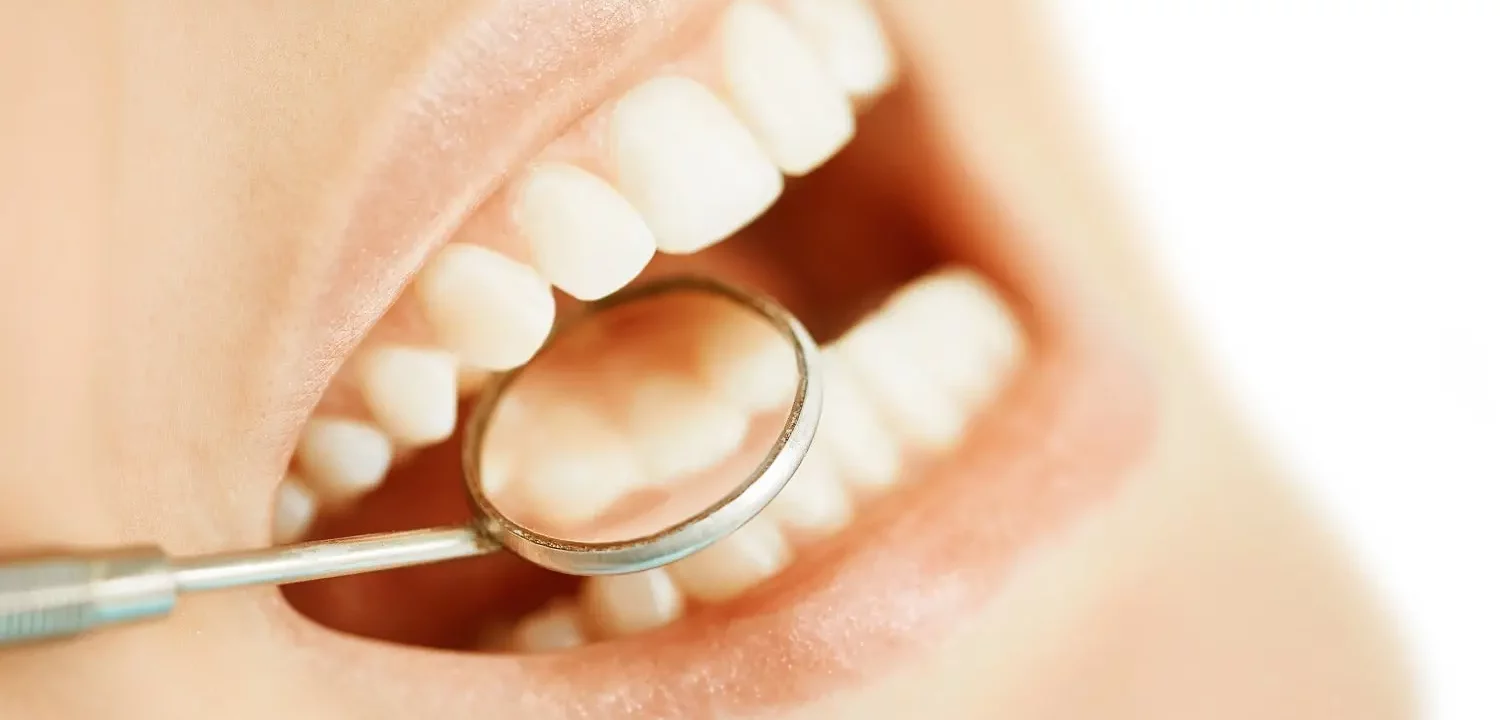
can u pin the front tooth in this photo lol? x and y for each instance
(295, 508)
(848, 35)
(577, 466)
(585, 237)
(493, 312)
(880, 356)
(343, 459)
(412, 393)
(800, 114)
(678, 429)
(863, 452)
(734, 564)
(748, 363)
(554, 627)
(627, 604)
(684, 160)
(813, 502)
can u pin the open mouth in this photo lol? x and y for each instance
(783, 153)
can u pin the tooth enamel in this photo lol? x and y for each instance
(555, 627)
(627, 604)
(585, 237)
(813, 502)
(577, 466)
(864, 453)
(848, 36)
(294, 510)
(678, 429)
(747, 363)
(734, 564)
(343, 459)
(491, 311)
(412, 393)
(881, 358)
(800, 114)
(688, 165)
(967, 338)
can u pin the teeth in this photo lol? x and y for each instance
(734, 564)
(343, 459)
(864, 453)
(748, 363)
(800, 114)
(491, 311)
(694, 172)
(577, 466)
(555, 627)
(585, 237)
(813, 502)
(848, 35)
(678, 429)
(412, 393)
(966, 338)
(295, 509)
(627, 604)
(881, 357)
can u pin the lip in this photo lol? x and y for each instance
(1076, 417)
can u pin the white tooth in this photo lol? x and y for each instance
(412, 393)
(343, 459)
(734, 564)
(490, 310)
(554, 627)
(683, 159)
(800, 114)
(849, 37)
(967, 339)
(748, 363)
(576, 466)
(881, 358)
(679, 429)
(863, 452)
(627, 604)
(294, 511)
(585, 237)
(813, 502)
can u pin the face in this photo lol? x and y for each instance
(274, 251)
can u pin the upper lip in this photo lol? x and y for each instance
(1064, 434)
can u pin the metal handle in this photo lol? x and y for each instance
(56, 596)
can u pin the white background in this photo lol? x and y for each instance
(1321, 181)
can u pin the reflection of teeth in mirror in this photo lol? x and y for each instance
(575, 466)
(618, 605)
(677, 428)
(746, 362)
(293, 513)
(556, 626)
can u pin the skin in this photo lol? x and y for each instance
(166, 270)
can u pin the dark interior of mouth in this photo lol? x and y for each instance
(838, 242)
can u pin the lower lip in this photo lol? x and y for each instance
(1074, 421)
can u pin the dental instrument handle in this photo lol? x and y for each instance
(56, 596)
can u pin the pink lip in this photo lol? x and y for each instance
(1070, 427)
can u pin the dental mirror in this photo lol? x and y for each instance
(652, 424)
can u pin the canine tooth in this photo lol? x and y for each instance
(684, 160)
(782, 90)
(343, 458)
(627, 604)
(585, 237)
(967, 338)
(849, 37)
(678, 428)
(294, 511)
(748, 363)
(577, 466)
(412, 393)
(734, 564)
(490, 310)
(813, 501)
(880, 356)
(555, 627)
(861, 449)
